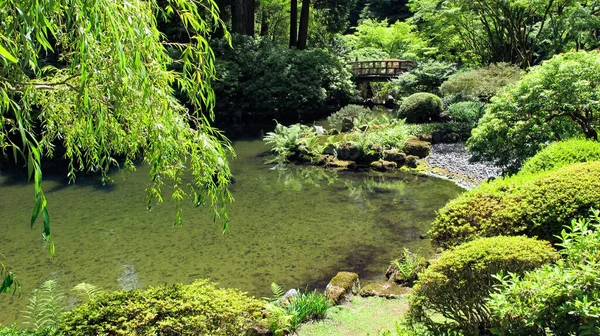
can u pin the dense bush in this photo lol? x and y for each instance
(427, 76)
(457, 284)
(466, 111)
(556, 100)
(442, 132)
(352, 112)
(561, 299)
(196, 309)
(260, 80)
(481, 83)
(535, 205)
(285, 314)
(421, 107)
(563, 153)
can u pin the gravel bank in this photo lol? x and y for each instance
(452, 161)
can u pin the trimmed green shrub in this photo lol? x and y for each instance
(425, 77)
(563, 153)
(535, 205)
(467, 111)
(457, 284)
(481, 83)
(421, 107)
(561, 299)
(196, 309)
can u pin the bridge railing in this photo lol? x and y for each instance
(384, 68)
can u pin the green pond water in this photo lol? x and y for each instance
(296, 227)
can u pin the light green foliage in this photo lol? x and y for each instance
(197, 309)
(409, 264)
(457, 284)
(286, 140)
(264, 80)
(398, 40)
(467, 111)
(45, 306)
(554, 101)
(562, 153)
(560, 299)
(460, 128)
(391, 135)
(8, 280)
(481, 83)
(535, 205)
(16, 331)
(111, 94)
(358, 114)
(421, 107)
(512, 31)
(360, 317)
(427, 76)
(285, 315)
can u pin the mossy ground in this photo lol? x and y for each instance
(362, 316)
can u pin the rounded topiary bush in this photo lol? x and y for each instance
(563, 153)
(458, 283)
(196, 309)
(421, 107)
(535, 205)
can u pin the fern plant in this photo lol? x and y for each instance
(408, 265)
(285, 141)
(45, 306)
(86, 292)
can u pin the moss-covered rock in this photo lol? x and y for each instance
(411, 161)
(417, 148)
(348, 151)
(388, 290)
(394, 155)
(341, 164)
(384, 165)
(342, 286)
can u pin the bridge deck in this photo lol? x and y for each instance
(385, 69)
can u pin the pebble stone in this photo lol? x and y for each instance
(454, 158)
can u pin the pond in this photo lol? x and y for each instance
(295, 227)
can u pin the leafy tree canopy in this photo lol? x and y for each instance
(95, 78)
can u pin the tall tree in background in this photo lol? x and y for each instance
(242, 17)
(293, 23)
(303, 28)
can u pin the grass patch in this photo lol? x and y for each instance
(363, 316)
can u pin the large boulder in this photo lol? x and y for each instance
(341, 164)
(342, 287)
(348, 151)
(417, 148)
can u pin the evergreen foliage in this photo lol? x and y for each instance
(562, 153)
(457, 284)
(421, 107)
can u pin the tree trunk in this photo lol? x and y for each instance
(303, 29)
(293, 23)
(264, 23)
(242, 17)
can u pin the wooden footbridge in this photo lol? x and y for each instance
(380, 71)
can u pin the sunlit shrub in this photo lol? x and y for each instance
(427, 76)
(285, 314)
(555, 100)
(535, 205)
(560, 299)
(563, 153)
(457, 284)
(481, 83)
(467, 111)
(197, 309)
(421, 107)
